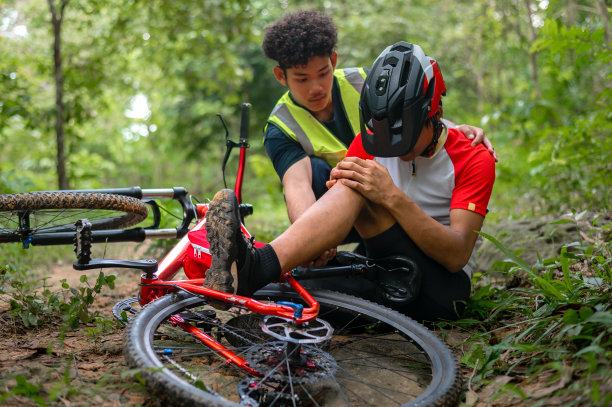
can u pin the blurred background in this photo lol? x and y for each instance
(142, 81)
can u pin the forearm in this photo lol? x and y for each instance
(297, 183)
(298, 200)
(443, 244)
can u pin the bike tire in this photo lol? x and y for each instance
(363, 382)
(55, 212)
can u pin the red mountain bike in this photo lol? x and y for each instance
(284, 346)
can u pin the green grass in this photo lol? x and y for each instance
(34, 303)
(541, 332)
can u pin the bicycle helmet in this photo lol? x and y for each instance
(401, 91)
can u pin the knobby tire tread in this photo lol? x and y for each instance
(134, 209)
(175, 391)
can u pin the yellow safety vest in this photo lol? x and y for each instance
(302, 126)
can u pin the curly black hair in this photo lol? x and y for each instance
(298, 36)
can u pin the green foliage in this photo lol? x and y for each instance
(561, 158)
(537, 80)
(191, 60)
(24, 388)
(43, 395)
(556, 323)
(35, 304)
(572, 160)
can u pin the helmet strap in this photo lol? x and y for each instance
(437, 130)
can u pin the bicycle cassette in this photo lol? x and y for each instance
(281, 361)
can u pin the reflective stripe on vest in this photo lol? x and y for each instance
(301, 125)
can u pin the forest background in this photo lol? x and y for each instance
(140, 84)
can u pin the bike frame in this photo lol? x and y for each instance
(159, 283)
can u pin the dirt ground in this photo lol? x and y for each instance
(88, 369)
(83, 369)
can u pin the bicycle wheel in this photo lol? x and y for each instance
(23, 215)
(375, 356)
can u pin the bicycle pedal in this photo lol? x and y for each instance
(245, 210)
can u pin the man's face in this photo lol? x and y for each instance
(311, 84)
(421, 144)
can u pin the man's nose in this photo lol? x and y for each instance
(317, 87)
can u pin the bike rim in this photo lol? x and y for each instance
(378, 361)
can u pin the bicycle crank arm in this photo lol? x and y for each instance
(149, 266)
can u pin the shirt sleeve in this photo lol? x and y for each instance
(283, 151)
(356, 149)
(474, 183)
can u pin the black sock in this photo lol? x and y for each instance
(264, 269)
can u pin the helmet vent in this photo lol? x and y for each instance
(391, 60)
(401, 48)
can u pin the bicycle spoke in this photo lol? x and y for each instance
(381, 390)
(366, 362)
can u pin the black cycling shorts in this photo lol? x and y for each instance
(442, 294)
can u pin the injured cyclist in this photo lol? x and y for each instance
(409, 185)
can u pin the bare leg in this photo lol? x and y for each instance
(326, 223)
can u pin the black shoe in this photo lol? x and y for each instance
(231, 251)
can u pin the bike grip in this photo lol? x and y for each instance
(244, 122)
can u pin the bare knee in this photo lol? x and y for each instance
(373, 220)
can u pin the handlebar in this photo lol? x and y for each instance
(244, 122)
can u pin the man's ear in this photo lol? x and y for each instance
(334, 59)
(280, 75)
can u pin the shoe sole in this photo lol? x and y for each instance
(221, 224)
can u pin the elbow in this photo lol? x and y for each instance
(458, 262)
(455, 268)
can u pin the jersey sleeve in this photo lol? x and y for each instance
(474, 183)
(356, 149)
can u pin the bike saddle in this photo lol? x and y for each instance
(398, 278)
(400, 281)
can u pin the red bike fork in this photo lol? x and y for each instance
(240, 175)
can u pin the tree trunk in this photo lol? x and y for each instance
(534, 64)
(56, 19)
(603, 11)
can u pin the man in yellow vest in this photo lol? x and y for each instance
(314, 122)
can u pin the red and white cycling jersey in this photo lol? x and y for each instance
(457, 176)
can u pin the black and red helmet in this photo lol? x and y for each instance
(401, 91)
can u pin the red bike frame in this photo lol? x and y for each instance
(161, 283)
